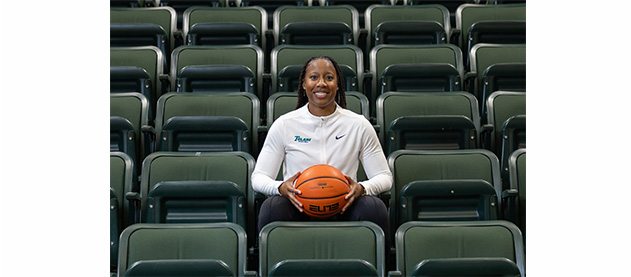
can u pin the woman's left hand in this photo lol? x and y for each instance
(356, 190)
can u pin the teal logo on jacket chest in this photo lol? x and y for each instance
(302, 140)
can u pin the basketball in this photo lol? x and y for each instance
(323, 190)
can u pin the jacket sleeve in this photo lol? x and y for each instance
(269, 161)
(375, 164)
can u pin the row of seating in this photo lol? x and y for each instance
(429, 68)
(212, 122)
(203, 187)
(271, 5)
(471, 248)
(303, 25)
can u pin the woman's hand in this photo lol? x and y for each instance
(356, 190)
(287, 189)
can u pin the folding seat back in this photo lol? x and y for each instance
(458, 185)
(150, 59)
(396, 24)
(410, 120)
(287, 56)
(122, 137)
(485, 55)
(506, 119)
(131, 110)
(130, 79)
(316, 25)
(153, 26)
(433, 56)
(225, 26)
(321, 249)
(502, 76)
(122, 181)
(217, 249)
(173, 183)
(480, 17)
(480, 248)
(218, 67)
(196, 122)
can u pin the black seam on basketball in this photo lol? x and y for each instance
(298, 195)
(323, 215)
(322, 177)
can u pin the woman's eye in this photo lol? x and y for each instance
(313, 77)
(329, 78)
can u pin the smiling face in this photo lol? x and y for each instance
(320, 85)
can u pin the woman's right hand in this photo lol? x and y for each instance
(287, 189)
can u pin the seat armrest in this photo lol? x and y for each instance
(454, 35)
(134, 206)
(394, 273)
(486, 132)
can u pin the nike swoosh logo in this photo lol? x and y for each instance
(336, 137)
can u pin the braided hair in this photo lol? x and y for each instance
(340, 97)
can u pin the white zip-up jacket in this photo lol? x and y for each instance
(298, 140)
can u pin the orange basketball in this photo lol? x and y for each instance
(323, 190)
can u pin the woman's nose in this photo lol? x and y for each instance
(321, 82)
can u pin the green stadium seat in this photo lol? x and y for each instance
(502, 76)
(416, 120)
(430, 77)
(514, 198)
(483, 56)
(505, 130)
(147, 26)
(316, 25)
(468, 15)
(325, 248)
(150, 59)
(198, 171)
(447, 169)
(470, 248)
(238, 56)
(122, 137)
(397, 24)
(384, 55)
(495, 31)
(123, 181)
(208, 122)
(122, 174)
(196, 202)
(130, 79)
(129, 112)
(210, 78)
(212, 249)
(225, 26)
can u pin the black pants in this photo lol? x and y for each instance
(365, 208)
